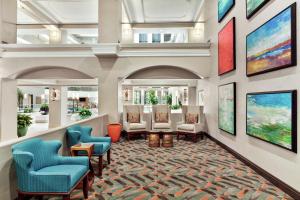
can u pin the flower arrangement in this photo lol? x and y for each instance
(85, 113)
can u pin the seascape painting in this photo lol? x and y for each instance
(273, 45)
(224, 6)
(254, 5)
(226, 48)
(227, 108)
(271, 117)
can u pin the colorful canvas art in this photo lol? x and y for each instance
(254, 5)
(272, 117)
(273, 45)
(226, 48)
(227, 121)
(224, 6)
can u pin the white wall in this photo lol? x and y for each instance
(281, 163)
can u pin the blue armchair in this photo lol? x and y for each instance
(82, 134)
(41, 171)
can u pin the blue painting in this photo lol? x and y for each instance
(271, 117)
(272, 46)
(224, 6)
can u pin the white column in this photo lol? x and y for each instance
(8, 110)
(110, 17)
(55, 36)
(64, 105)
(8, 21)
(54, 110)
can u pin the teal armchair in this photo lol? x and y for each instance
(82, 134)
(42, 171)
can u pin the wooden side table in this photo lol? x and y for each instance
(88, 148)
(154, 140)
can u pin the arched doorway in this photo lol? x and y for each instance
(49, 95)
(170, 85)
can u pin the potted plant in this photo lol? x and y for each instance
(27, 109)
(153, 98)
(24, 121)
(44, 109)
(85, 113)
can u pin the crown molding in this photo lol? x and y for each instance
(104, 50)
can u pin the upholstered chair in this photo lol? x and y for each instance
(133, 120)
(192, 122)
(41, 171)
(82, 134)
(161, 117)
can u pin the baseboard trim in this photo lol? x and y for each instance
(274, 180)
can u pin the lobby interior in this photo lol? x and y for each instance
(149, 99)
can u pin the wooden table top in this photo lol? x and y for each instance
(82, 146)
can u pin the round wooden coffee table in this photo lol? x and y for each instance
(166, 135)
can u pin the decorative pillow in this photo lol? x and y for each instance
(133, 117)
(191, 118)
(161, 117)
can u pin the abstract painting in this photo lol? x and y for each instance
(272, 117)
(273, 45)
(253, 6)
(226, 48)
(227, 114)
(224, 6)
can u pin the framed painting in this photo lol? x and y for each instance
(272, 117)
(226, 48)
(227, 108)
(253, 6)
(273, 45)
(224, 6)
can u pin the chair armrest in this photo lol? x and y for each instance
(87, 129)
(50, 182)
(23, 159)
(65, 160)
(199, 127)
(100, 139)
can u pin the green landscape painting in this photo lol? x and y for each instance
(253, 6)
(227, 108)
(270, 117)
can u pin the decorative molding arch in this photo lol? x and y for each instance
(50, 72)
(163, 72)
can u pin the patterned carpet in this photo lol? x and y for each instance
(202, 171)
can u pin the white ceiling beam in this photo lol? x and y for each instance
(198, 11)
(40, 16)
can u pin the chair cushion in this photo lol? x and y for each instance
(186, 127)
(133, 117)
(136, 126)
(191, 118)
(161, 117)
(75, 171)
(161, 126)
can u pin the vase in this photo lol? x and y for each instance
(114, 131)
(22, 131)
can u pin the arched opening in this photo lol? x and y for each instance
(152, 85)
(52, 97)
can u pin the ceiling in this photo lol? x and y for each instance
(162, 11)
(57, 11)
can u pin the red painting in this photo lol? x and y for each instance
(226, 46)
